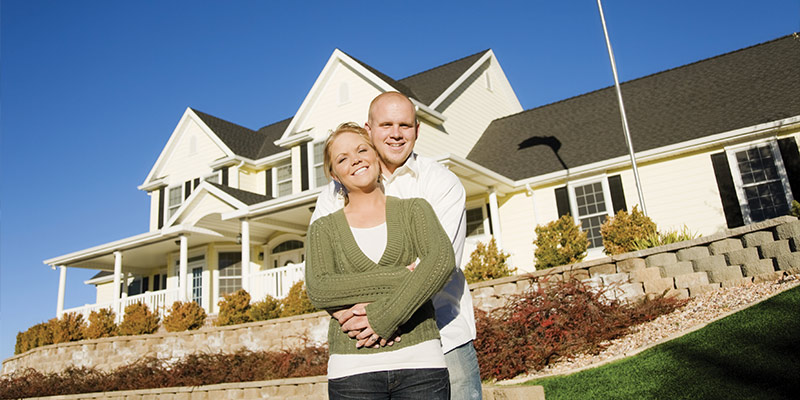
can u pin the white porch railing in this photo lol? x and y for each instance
(275, 282)
(87, 309)
(158, 301)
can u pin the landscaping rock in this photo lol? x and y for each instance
(736, 282)
(757, 238)
(657, 260)
(788, 262)
(630, 264)
(701, 289)
(788, 230)
(691, 280)
(739, 257)
(775, 249)
(603, 269)
(659, 285)
(709, 263)
(646, 274)
(759, 267)
(579, 274)
(692, 253)
(673, 270)
(725, 246)
(615, 279)
(722, 274)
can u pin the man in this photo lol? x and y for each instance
(393, 128)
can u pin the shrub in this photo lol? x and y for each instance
(559, 242)
(296, 301)
(233, 308)
(40, 334)
(138, 320)
(263, 310)
(101, 324)
(555, 320)
(622, 231)
(68, 328)
(487, 262)
(662, 238)
(795, 209)
(184, 316)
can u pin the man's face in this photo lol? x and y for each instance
(393, 129)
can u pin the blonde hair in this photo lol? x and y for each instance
(347, 127)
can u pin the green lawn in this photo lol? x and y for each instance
(753, 354)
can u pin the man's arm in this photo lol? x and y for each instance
(444, 191)
(327, 203)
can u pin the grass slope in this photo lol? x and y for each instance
(752, 354)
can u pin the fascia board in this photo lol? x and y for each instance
(295, 139)
(715, 140)
(188, 114)
(155, 184)
(268, 206)
(461, 79)
(428, 113)
(202, 189)
(506, 184)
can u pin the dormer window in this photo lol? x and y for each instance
(319, 170)
(174, 200)
(283, 179)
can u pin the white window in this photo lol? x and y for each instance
(213, 178)
(283, 179)
(174, 199)
(477, 221)
(230, 272)
(762, 185)
(591, 204)
(318, 164)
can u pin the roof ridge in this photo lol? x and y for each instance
(445, 64)
(273, 124)
(196, 111)
(796, 37)
(401, 87)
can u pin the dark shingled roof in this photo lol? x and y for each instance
(402, 88)
(428, 85)
(743, 88)
(272, 133)
(242, 195)
(243, 141)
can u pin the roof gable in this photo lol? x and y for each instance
(739, 89)
(429, 85)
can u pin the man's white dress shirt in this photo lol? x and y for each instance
(422, 177)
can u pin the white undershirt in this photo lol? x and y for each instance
(428, 354)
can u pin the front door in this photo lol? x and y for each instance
(197, 285)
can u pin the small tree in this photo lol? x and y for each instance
(138, 320)
(487, 262)
(263, 310)
(184, 316)
(101, 324)
(559, 242)
(296, 301)
(233, 308)
(621, 232)
(68, 328)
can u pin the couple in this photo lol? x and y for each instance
(384, 245)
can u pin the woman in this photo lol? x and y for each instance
(359, 254)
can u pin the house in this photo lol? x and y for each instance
(715, 140)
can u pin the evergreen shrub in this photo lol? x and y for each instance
(487, 262)
(559, 242)
(233, 308)
(138, 320)
(184, 316)
(296, 301)
(621, 232)
(68, 328)
(269, 308)
(40, 334)
(664, 238)
(101, 324)
(795, 209)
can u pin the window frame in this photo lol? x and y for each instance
(313, 163)
(276, 183)
(486, 228)
(736, 174)
(573, 204)
(169, 207)
(221, 277)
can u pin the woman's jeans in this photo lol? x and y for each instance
(411, 384)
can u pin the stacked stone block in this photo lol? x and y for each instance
(655, 280)
(789, 232)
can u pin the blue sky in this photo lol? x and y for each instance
(91, 90)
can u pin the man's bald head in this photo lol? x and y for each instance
(390, 97)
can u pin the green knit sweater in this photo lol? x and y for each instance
(339, 274)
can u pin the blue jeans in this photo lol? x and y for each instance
(465, 375)
(410, 384)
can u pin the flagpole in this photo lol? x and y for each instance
(622, 112)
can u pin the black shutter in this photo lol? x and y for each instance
(562, 201)
(304, 172)
(617, 194)
(145, 284)
(187, 189)
(791, 161)
(727, 190)
(156, 282)
(196, 182)
(225, 176)
(160, 208)
(489, 217)
(268, 174)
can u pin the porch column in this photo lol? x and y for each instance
(495, 210)
(125, 277)
(246, 255)
(117, 281)
(184, 265)
(62, 284)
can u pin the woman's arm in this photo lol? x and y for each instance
(435, 252)
(328, 289)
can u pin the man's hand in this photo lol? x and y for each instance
(346, 314)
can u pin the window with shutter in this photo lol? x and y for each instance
(761, 181)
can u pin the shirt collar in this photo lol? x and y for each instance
(411, 166)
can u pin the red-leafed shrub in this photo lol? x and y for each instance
(554, 320)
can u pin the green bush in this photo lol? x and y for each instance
(622, 231)
(68, 328)
(559, 242)
(263, 310)
(487, 262)
(795, 210)
(138, 320)
(184, 316)
(297, 301)
(101, 324)
(233, 308)
(663, 238)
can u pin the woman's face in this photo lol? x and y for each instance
(354, 162)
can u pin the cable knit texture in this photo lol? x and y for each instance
(339, 274)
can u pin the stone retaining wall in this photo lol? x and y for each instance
(757, 252)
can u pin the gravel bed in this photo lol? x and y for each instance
(697, 313)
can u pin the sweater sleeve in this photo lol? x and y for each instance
(435, 252)
(327, 288)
